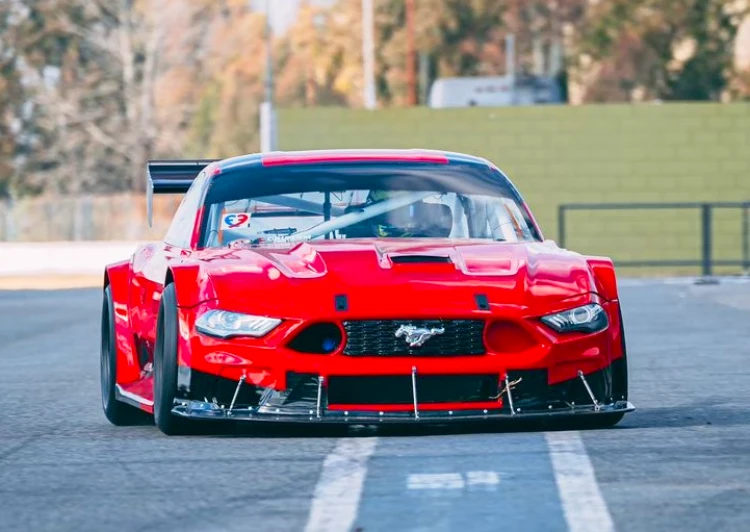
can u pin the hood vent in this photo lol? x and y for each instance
(420, 259)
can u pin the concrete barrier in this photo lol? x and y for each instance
(24, 259)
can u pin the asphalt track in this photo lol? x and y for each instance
(680, 462)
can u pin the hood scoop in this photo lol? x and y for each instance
(420, 259)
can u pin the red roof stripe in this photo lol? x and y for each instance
(353, 157)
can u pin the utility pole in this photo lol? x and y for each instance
(510, 66)
(267, 114)
(424, 77)
(269, 54)
(368, 54)
(411, 52)
(510, 55)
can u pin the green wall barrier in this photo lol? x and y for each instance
(596, 153)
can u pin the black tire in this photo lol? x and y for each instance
(165, 367)
(117, 412)
(620, 369)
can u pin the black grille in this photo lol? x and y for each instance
(397, 389)
(378, 338)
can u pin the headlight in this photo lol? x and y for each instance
(225, 324)
(587, 319)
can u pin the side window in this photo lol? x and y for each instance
(181, 229)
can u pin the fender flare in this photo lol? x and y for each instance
(192, 287)
(604, 276)
(117, 276)
(192, 284)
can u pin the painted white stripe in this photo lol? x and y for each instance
(582, 501)
(451, 481)
(482, 478)
(337, 494)
(434, 481)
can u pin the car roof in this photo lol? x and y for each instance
(284, 172)
(288, 172)
(364, 156)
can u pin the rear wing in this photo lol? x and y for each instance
(170, 177)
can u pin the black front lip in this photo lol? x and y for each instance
(306, 400)
(204, 410)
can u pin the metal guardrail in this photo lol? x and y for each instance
(706, 262)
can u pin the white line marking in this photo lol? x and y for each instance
(482, 478)
(451, 481)
(435, 481)
(582, 501)
(337, 494)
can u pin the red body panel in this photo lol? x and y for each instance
(604, 273)
(298, 283)
(353, 156)
(118, 277)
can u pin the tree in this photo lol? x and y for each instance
(230, 84)
(88, 71)
(27, 36)
(91, 89)
(105, 95)
(467, 38)
(11, 92)
(659, 49)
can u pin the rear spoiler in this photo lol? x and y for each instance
(170, 177)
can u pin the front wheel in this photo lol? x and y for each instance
(165, 366)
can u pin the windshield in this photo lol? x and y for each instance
(367, 214)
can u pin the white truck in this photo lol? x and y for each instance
(497, 91)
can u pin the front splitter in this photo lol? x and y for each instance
(212, 411)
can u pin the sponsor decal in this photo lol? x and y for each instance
(235, 220)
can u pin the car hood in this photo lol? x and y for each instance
(408, 276)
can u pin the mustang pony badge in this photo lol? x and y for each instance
(417, 336)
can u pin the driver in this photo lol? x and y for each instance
(387, 224)
(419, 219)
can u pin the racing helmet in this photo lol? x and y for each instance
(390, 224)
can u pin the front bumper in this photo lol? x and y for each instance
(308, 402)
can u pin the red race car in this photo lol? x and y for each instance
(359, 287)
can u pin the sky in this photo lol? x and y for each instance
(283, 12)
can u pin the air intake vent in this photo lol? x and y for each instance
(397, 389)
(319, 339)
(420, 259)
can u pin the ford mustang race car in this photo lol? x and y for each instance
(359, 287)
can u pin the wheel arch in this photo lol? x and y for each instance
(605, 277)
(192, 284)
(169, 279)
(117, 277)
(603, 270)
